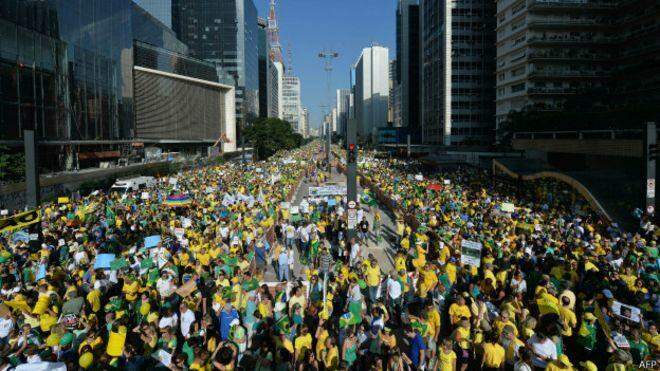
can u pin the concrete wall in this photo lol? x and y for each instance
(13, 196)
(610, 147)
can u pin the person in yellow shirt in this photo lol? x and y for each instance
(372, 273)
(562, 363)
(446, 357)
(130, 288)
(302, 343)
(494, 355)
(462, 336)
(331, 355)
(433, 317)
(459, 310)
(567, 316)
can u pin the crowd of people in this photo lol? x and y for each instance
(218, 268)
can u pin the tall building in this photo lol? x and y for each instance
(394, 102)
(551, 51)
(224, 32)
(342, 110)
(93, 77)
(304, 119)
(458, 68)
(160, 9)
(279, 81)
(371, 91)
(292, 106)
(334, 120)
(408, 73)
(268, 75)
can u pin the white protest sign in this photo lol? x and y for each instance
(295, 210)
(419, 177)
(626, 311)
(186, 223)
(145, 195)
(173, 181)
(507, 207)
(471, 253)
(446, 182)
(179, 232)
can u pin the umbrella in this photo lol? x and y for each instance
(178, 200)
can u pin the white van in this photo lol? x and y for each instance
(133, 184)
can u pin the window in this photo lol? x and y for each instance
(518, 87)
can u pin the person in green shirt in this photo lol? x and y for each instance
(638, 347)
(586, 336)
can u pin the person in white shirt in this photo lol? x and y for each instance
(355, 252)
(544, 350)
(170, 319)
(394, 291)
(187, 319)
(518, 283)
(6, 325)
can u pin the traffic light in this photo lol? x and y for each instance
(352, 154)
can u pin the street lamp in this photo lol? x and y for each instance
(328, 56)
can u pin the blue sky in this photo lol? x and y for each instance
(345, 26)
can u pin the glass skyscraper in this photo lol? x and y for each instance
(160, 9)
(66, 69)
(224, 32)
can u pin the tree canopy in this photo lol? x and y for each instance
(269, 135)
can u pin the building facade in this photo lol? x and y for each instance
(67, 71)
(549, 52)
(268, 75)
(305, 122)
(342, 110)
(291, 103)
(224, 32)
(159, 9)
(457, 72)
(371, 91)
(407, 76)
(278, 73)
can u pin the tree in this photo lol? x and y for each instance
(269, 135)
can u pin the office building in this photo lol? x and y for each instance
(457, 72)
(304, 118)
(407, 76)
(292, 106)
(268, 75)
(603, 53)
(371, 91)
(547, 51)
(159, 9)
(71, 77)
(279, 82)
(342, 110)
(224, 32)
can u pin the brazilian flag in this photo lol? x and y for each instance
(283, 325)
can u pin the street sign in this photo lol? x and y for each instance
(352, 218)
(351, 204)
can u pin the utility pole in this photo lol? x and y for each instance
(351, 180)
(328, 56)
(650, 157)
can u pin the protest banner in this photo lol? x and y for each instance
(626, 311)
(327, 190)
(103, 261)
(507, 207)
(151, 241)
(187, 288)
(20, 221)
(471, 253)
(63, 200)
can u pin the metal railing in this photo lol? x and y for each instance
(580, 134)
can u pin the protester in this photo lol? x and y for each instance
(216, 268)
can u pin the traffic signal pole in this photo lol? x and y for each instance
(650, 158)
(351, 180)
